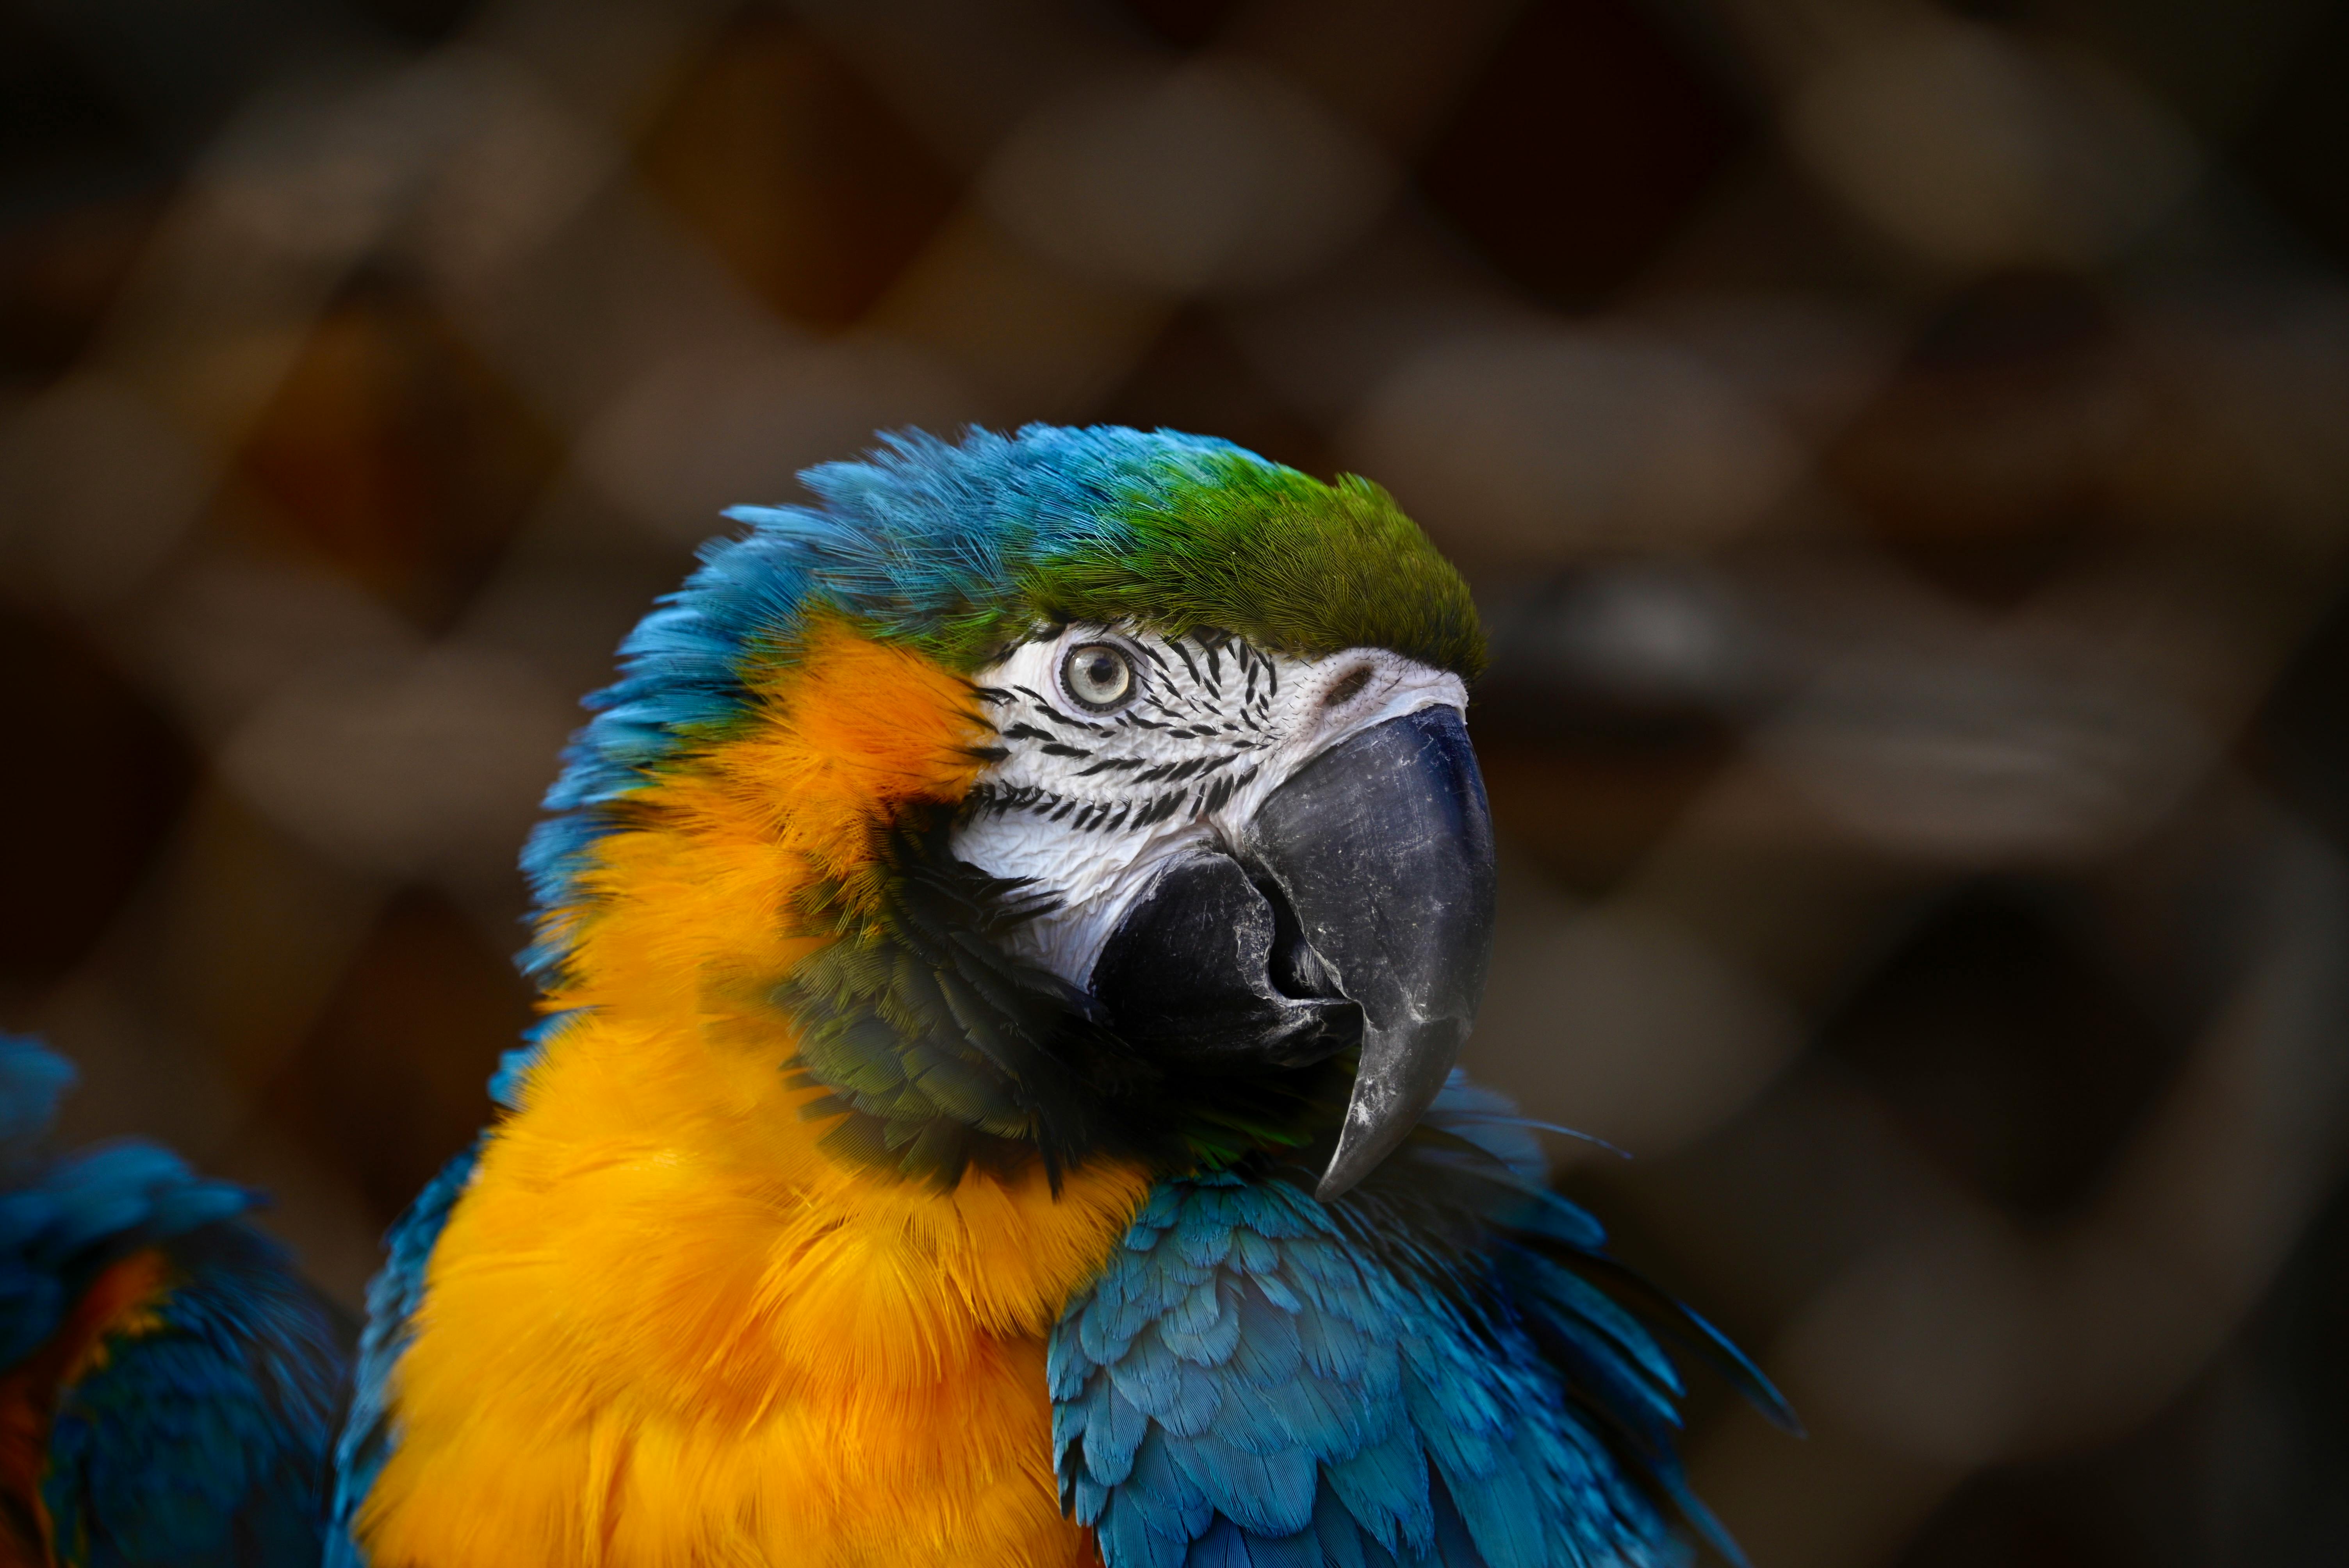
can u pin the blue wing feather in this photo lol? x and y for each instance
(1401, 1380)
(202, 1441)
(199, 1436)
(64, 1218)
(369, 1434)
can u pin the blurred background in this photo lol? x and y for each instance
(1903, 452)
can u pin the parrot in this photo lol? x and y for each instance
(1005, 939)
(173, 1389)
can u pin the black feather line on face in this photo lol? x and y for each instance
(1187, 662)
(1045, 707)
(943, 1051)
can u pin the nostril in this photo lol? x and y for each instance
(1348, 686)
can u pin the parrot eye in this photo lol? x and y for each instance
(1099, 677)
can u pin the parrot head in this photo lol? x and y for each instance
(1069, 793)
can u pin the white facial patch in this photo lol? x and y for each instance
(1123, 749)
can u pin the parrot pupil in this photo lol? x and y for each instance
(1099, 676)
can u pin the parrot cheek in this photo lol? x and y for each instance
(1356, 911)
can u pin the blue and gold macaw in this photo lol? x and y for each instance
(1006, 938)
(173, 1388)
(1005, 941)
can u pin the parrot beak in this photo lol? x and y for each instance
(1382, 847)
(1357, 908)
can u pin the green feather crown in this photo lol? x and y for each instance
(963, 549)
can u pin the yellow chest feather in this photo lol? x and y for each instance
(663, 1327)
(647, 1343)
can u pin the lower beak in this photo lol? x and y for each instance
(1357, 907)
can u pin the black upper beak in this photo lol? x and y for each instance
(1357, 908)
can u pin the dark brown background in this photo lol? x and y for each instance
(1904, 453)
